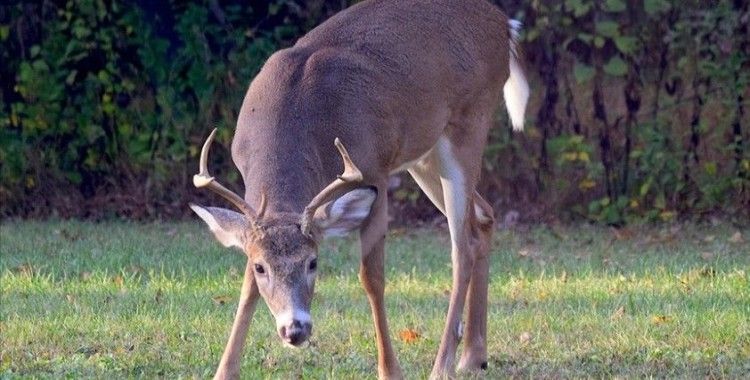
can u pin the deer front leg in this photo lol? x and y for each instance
(229, 367)
(372, 276)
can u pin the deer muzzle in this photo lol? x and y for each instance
(294, 327)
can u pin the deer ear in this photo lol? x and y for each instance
(339, 217)
(228, 226)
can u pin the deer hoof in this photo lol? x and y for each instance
(472, 364)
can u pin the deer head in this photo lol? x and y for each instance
(283, 247)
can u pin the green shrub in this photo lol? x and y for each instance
(639, 109)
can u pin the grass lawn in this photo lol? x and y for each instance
(117, 300)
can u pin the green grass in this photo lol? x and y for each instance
(118, 300)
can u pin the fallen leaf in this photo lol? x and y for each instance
(118, 280)
(25, 269)
(221, 300)
(708, 272)
(622, 233)
(525, 337)
(87, 350)
(523, 253)
(686, 286)
(555, 231)
(516, 290)
(660, 319)
(70, 236)
(709, 238)
(70, 298)
(408, 335)
(708, 256)
(736, 238)
(619, 313)
(398, 232)
(586, 184)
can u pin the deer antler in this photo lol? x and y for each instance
(204, 179)
(350, 179)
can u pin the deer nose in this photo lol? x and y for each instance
(295, 333)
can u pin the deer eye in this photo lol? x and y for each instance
(314, 264)
(259, 269)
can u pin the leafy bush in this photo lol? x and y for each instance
(105, 111)
(654, 93)
(638, 109)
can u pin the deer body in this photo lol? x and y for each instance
(406, 85)
(388, 90)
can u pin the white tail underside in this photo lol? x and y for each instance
(516, 89)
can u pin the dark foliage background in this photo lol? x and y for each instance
(639, 108)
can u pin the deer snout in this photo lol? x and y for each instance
(294, 328)
(296, 333)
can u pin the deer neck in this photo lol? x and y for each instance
(289, 173)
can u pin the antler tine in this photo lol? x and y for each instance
(351, 171)
(263, 203)
(350, 179)
(204, 179)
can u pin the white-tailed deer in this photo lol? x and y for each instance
(382, 87)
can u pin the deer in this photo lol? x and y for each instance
(380, 88)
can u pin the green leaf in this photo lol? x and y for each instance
(614, 5)
(645, 187)
(585, 37)
(599, 41)
(660, 201)
(616, 67)
(80, 31)
(582, 72)
(74, 177)
(532, 34)
(4, 32)
(103, 77)
(34, 51)
(608, 28)
(274, 8)
(71, 77)
(652, 7)
(710, 168)
(625, 44)
(40, 65)
(579, 7)
(25, 72)
(594, 207)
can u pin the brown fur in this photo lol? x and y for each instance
(361, 76)
(390, 79)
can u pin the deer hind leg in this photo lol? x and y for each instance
(474, 355)
(372, 276)
(444, 178)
